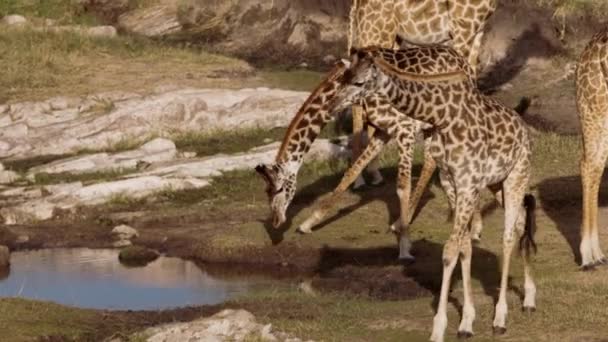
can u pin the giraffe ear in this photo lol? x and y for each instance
(266, 174)
(345, 62)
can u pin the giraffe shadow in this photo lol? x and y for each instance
(420, 278)
(561, 200)
(385, 193)
(531, 43)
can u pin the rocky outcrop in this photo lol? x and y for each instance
(68, 125)
(154, 151)
(42, 203)
(227, 325)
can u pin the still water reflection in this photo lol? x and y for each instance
(95, 279)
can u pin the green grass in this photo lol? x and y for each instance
(234, 141)
(86, 178)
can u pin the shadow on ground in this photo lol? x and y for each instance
(562, 201)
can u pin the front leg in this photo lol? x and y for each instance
(357, 141)
(405, 142)
(371, 151)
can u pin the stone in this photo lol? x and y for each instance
(105, 31)
(125, 232)
(8, 177)
(5, 257)
(329, 59)
(14, 20)
(154, 151)
(122, 243)
(151, 21)
(188, 155)
(227, 325)
(42, 128)
(21, 239)
(300, 35)
(137, 256)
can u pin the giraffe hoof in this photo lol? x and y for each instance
(528, 309)
(303, 230)
(602, 261)
(407, 259)
(588, 268)
(464, 335)
(360, 188)
(378, 184)
(499, 330)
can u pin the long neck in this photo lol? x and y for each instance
(309, 121)
(426, 101)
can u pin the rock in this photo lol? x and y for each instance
(300, 35)
(21, 239)
(137, 256)
(322, 149)
(227, 325)
(5, 256)
(154, 151)
(151, 21)
(95, 194)
(8, 177)
(106, 31)
(125, 232)
(14, 20)
(122, 243)
(329, 59)
(35, 128)
(188, 155)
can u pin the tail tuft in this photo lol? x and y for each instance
(527, 245)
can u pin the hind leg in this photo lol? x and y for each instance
(514, 188)
(595, 152)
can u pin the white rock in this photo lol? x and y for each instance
(157, 150)
(188, 155)
(14, 20)
(122, 243)
(125, 232)
(227, 325)
(39, 128)
(101, 31)
(66, 199)
(7, 176)
(22, 239)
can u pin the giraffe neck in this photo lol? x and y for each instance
(425, 101)
(304, 128)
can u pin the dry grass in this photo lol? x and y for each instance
(38, 65)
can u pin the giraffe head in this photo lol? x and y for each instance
(280, 188)
(357, 79)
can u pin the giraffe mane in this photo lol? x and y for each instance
(391, 69)
(372, 51)
(336, 72)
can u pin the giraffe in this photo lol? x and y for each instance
(384, 23)
(476, 142)
(303, 130)
(592, 102)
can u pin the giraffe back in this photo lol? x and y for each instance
(592, 79)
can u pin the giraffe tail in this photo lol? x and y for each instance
(527, 245)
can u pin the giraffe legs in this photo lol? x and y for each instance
(371, 151)
(515, 218)
(428, 168)
(458, 244)
(592, 167)
(357, 141)
(357, 145)
(405, 144)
